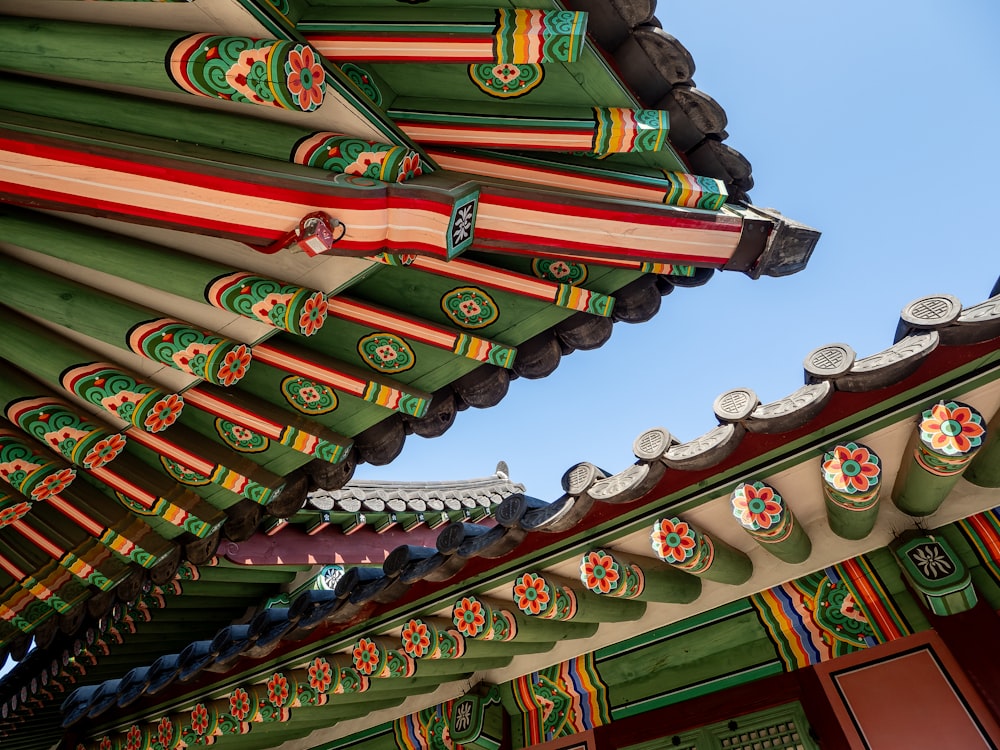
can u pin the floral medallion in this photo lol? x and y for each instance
(386, 353)
(851, 468)
(12, 511)
(470, 307)
(951, 431)
(673, 540)
(416, 639)
(757, 506)
(560, 271)
(240, 438)
(320, 675)
(200, 719)
(134, 739)
(470, 616)
(506, 80)
(307, 396)
(239, 704)
(278, 690)
(600, 572)
(183, 474)
(255, 71)
(369, 659)
(531, 594)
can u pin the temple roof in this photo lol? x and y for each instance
(895, 413)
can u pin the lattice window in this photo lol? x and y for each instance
(781, 728)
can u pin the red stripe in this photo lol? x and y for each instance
(660, 218)
(593, 249)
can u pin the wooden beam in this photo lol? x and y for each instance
(460, 35)
(765, 516)
(600, 130)
(50, 164)
(254, 71)
(852, 476)
(678, 543)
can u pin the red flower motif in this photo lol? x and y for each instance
(277, 689)
(366, 656)
(852, 469)
(199, 719)
(53, 484)
(104, 452)
(673, 540)
(320, 675)
(165, 733)
(756, 507)
(599, 572)
(133, 738)
(305, 78)
(105, 743)
(164, 413)
(313, 314)
(416, 642)
(952, 429)
(234, 366)
(531, 594)
(410, 167)
(468, 617)
(13, 512)
(239, 704)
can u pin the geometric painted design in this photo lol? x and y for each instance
(56, 424)
(386, 353)
(142, 405)
(829, 613)
(361, 78)
(932, 568)
(622, 131)
(560, 700)
(462, 225)
(255, 71)
(470, 307)
(692, 191)
(307, 396)
(183, 474)
(506, 80)
(560, 271)
(240, 438)
(538, 36)
(199, 353)
(354, 156)
(285, 306)
(983, 534)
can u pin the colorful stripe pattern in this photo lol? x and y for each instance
(827, 614)
(423, 331)
(628, 131)
(563, 295)
(561, 700)
(231, 68)
(692, 191)
(293, 437)
(538, 36)
(674, 188)
(983, 533)
(383, 394)
(217, 474)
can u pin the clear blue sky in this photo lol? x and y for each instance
(874, 122)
